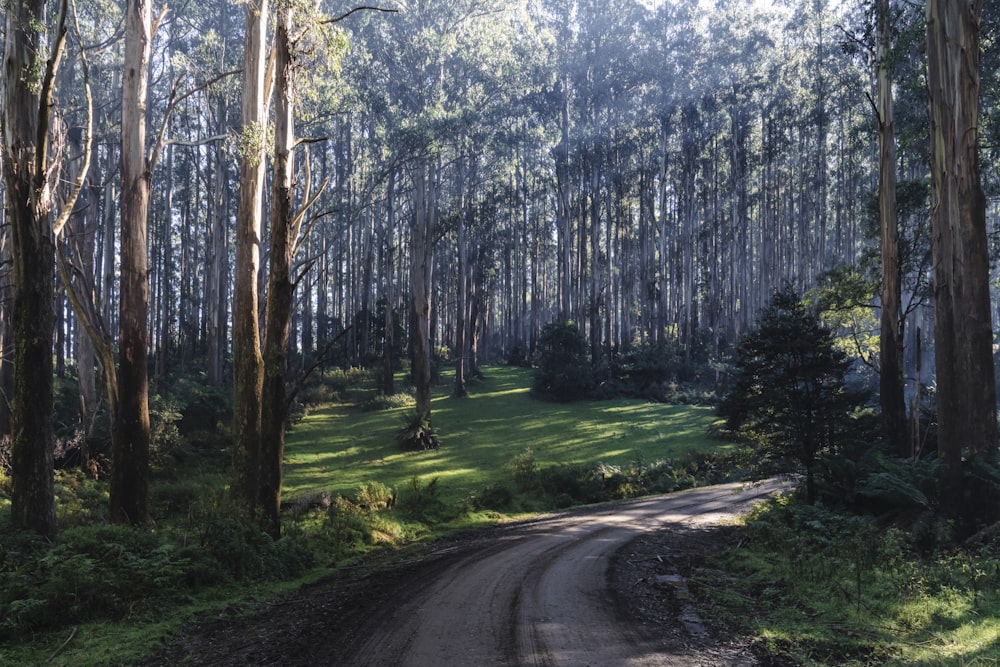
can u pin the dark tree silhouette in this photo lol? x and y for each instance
(789, 397)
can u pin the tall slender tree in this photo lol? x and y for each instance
(890, 340)
(130, 454)
(248, 364)
(278, 314)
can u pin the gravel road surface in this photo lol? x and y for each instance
(533, 593)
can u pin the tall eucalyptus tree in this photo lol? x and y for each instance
(966, 399)
(27, 133)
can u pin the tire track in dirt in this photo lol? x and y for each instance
(540, 595)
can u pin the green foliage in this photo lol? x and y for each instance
(243, 551)
(383, 402)
(417, 434)
(811, 586)
(90, 572)
(564, 485)
(789, 398)
(843, 299)
(375, 496)
(165, 440)
(423, 502)
(563, 372)
(348, 526)
(523, 469)
(80, 500)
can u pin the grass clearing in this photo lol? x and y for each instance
(339, 447)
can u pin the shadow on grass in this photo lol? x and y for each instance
(337, 448)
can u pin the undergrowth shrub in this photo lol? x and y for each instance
(80, 500)
(375, 496)
(422, 502)
(492, 497)
(877, 595)
(417, 434)
(563, 372)
(91, 572)
(247, 552)
(382, 401)
(524, 471)
(346, 522)
(567, 484)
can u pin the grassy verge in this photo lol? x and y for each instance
(815, 588)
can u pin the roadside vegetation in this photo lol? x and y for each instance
(861, 566)
(105, 594)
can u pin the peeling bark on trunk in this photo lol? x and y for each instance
(248, 362)
(130, 447)
(966, 404)
(25, 136)
(279, 286)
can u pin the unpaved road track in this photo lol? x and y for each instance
(531, 593)
(540, 596)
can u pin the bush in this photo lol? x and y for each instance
(89, 573)
(492, 497)
(564, 372)
(422, 502)
(389, 402)
(789, 397)
(417, 434)
(523, 469)
(373, 496)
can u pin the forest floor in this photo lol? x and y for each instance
(605, 585)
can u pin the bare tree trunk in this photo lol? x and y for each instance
(83, 230)
(6, 326)
(421, 274)
(892, 400)
(130, 448)
(248, 363)
(278, 315)
(389, 341)
(26, 115)
(963, 333)
(461, 308)
(214, 289)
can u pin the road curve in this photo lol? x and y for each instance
(539, 596)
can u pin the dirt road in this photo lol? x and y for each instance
(540, 596)
(535, 593)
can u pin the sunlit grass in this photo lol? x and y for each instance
(338, 447)
(796, 593)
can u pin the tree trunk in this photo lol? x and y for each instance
(130, 449)
(28, 196)
(248, 364)
(214, 288)
(389, 342)
(966, 406)
(83, 229)
(461, 309)
(892, 400)
(6, 325)
(421, 274)
(278, 315)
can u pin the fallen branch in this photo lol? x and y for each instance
(63, 645)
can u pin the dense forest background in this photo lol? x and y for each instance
(455, 176)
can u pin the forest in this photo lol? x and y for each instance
(207, 209)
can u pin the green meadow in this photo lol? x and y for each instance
(338, 447)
